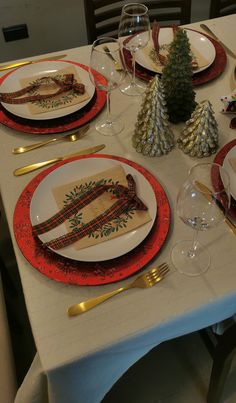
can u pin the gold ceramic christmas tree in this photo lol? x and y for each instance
(153, 135)
(200, 135)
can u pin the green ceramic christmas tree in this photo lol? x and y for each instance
(177, 79)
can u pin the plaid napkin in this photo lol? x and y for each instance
(64, 84)
(127, 199)
(155, 36)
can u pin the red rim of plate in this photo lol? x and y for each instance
(213, 71)
(58, 125)
(219, 159)
(70, 271)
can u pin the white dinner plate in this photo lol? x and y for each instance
(43, 206)
(199, 42)
(231, 172)
(12, 83)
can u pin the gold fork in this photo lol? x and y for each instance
(146, 280)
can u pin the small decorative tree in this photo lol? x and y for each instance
(200, 135)
(177, 79)
(152, 134)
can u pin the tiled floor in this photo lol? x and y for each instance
(175, 372)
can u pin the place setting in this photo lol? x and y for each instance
(209, 57)
(48, 97)
(122, 219)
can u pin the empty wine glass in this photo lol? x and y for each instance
(202, 203)
(106, 59)
(134, 33)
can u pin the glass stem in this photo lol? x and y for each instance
(133, 68)
(108, 106)
(192, 250)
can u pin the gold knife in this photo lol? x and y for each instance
(24, 63)
(207, 193)
(209, 31)
(37, 165)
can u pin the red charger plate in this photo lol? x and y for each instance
(70, 271)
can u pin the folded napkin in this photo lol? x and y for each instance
(96, 209)
(47, 93)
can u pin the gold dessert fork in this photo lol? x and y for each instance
(146, 280)
(116, 63)
(69, 137)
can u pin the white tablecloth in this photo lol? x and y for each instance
(80, 358)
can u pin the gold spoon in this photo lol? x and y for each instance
(69, 137)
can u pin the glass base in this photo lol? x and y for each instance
(191, 264)
(110, 127)
(133, 89)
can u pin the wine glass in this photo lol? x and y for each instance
(105, 56)
(202, 203)
(134, 33)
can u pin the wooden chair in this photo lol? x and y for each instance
(103, 16)
(219, 8)
(222, 349)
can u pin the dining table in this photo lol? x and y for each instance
(80, 358)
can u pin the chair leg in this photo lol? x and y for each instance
(221, 364)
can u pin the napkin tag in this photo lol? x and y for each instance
(63, 100)
(127, 221)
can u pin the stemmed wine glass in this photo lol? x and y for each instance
(202, 203)
(134, 33)
(105, 56)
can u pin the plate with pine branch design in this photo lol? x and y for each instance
(56, 107)
(202, 50)
(43, 206)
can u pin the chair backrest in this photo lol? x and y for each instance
(103, 16)
(219, 8)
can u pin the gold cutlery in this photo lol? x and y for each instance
(69, 137)
(146, 280)
(116, 63)
(37, 165)
(24, 63)
(209, 31)
(207, 193)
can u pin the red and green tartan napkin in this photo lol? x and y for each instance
(126, 199)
